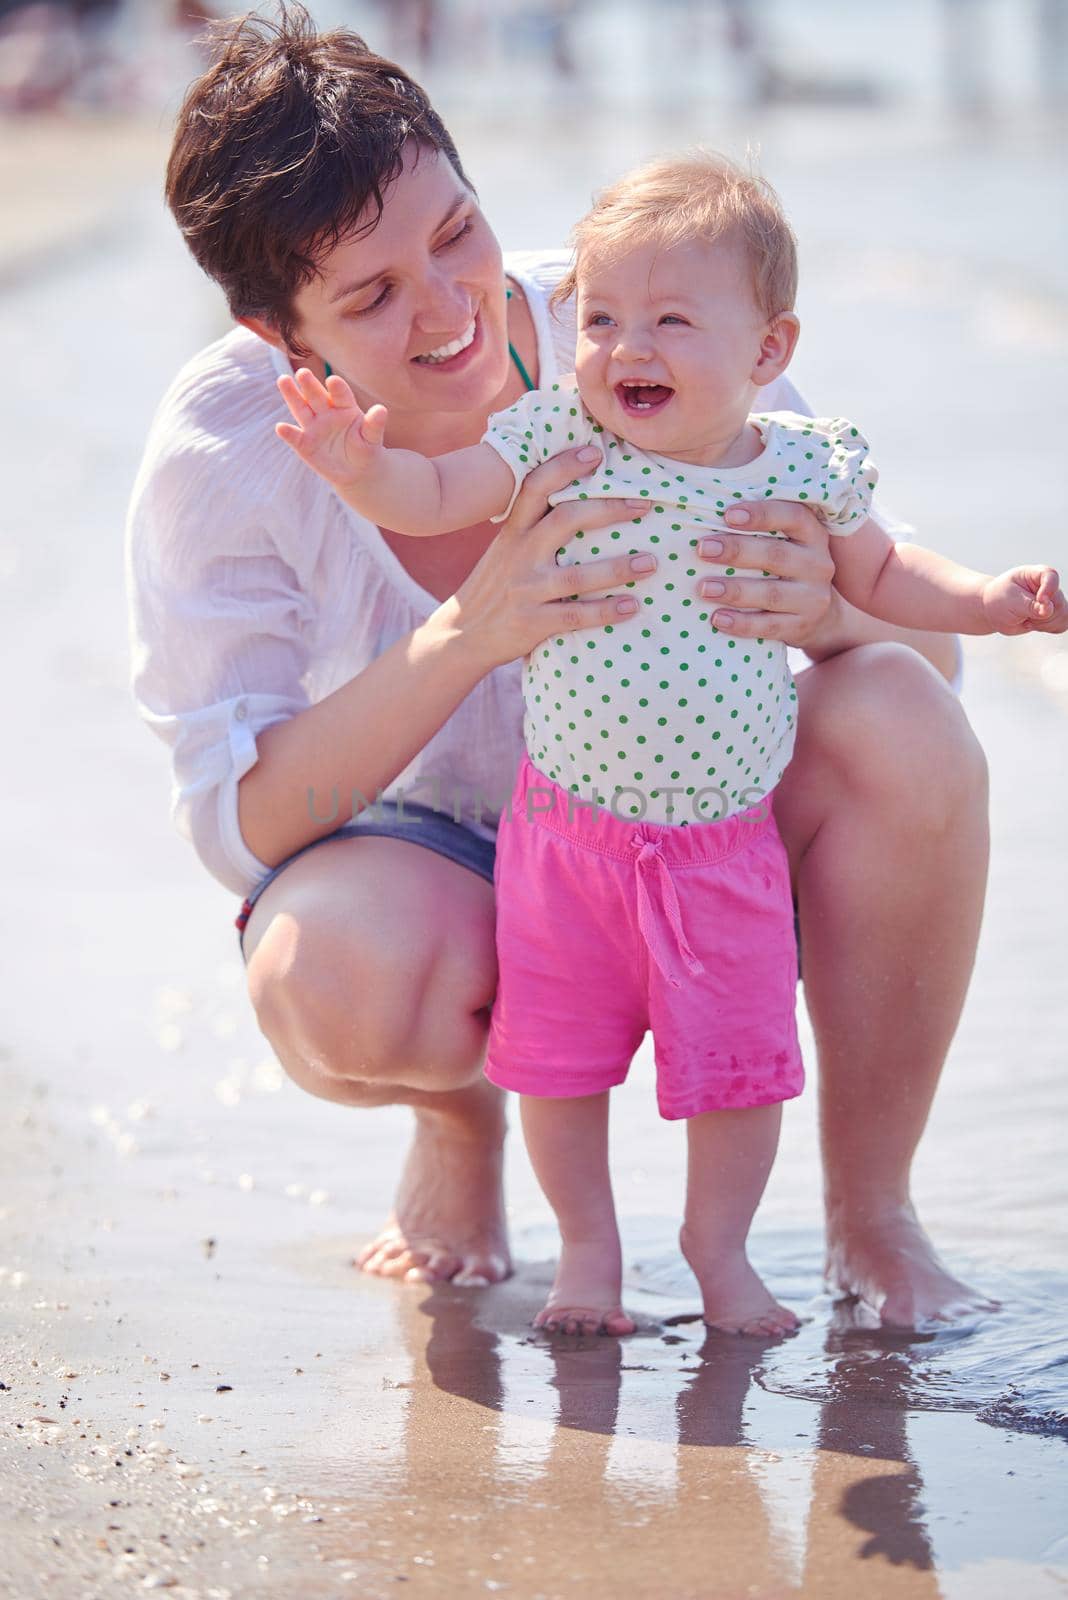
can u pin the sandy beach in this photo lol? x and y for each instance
(199, 1393)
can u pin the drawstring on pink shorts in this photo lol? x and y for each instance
(650, 858)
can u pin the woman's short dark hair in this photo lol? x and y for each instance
(280, 146)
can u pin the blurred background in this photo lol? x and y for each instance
(918, 146)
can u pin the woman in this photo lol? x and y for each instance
(294, 657)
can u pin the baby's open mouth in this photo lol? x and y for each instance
(641, 399)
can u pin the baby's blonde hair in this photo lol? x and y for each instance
(700, 195)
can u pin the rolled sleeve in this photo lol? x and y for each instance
(220, 646)
(212, 749)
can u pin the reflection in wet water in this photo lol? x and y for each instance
(669, 1424)
(787, 1463)
(1009, 1367)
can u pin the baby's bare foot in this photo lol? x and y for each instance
(734, 1297)
(585, 1292)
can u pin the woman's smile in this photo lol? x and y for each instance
(457, 353)
(453, 347)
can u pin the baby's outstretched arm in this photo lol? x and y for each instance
(914, 587)
(400, 489)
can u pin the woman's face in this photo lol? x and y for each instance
(412, 314)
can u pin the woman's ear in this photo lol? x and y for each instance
(777, 346)
(265, 331)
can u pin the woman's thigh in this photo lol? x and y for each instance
(371, 955)
(881, 733)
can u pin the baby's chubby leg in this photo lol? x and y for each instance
(567, 1141)
(730, 1157)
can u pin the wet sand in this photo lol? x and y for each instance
(200, 1394)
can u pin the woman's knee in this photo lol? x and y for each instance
(367, 1008)
(893, 727)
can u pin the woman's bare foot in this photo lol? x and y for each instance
(585, 1292)
(890, 1264)
(448, 1217)
(734, 1297)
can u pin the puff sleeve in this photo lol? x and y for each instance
(539, 425)
(848, 476)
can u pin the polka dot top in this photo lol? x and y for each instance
(663, 716)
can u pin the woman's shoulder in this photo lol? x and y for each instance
(538, 272)
(222, 401)
(212, 447)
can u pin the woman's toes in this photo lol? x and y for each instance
(441, 1266)
(389, 1242)
(395, 1266)
(370, 1261)
(382, 1256)
(432, 1266)
(480, 1271)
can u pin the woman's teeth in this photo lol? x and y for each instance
(447, 351)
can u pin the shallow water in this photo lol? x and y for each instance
(1009, 1367)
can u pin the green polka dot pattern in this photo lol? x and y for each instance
(680, 721)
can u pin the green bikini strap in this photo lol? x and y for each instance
(512, 351)
(517, 358)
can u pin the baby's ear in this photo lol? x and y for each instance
(777, 345)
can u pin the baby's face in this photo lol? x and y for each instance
(668, 340)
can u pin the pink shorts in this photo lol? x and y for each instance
(608, 927)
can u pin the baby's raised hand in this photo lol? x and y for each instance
(329, 431)
(1026, 600)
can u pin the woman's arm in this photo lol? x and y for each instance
(341, 751)
(331, 759)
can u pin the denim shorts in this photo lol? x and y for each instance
(388, 820)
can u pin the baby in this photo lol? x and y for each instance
(642, 883)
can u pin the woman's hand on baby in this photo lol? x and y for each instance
(517, 595)
(329, 431)
(1025, 600)
(790, 597)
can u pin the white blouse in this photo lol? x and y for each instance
(255, 592)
